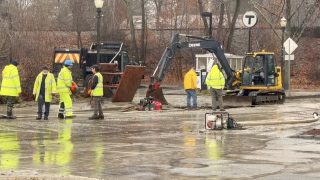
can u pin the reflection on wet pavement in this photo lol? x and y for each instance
(160, 145)
(10, 150)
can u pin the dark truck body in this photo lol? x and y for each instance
(121, 77)
(110, 52)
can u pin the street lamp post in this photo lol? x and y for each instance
(98, 4)
(283, 24)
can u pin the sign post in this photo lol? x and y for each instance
(289, 47)
(250, 19)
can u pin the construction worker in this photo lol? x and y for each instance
(10, 86)
(96, 93)
(64, 84)
(215, 81)
(44, 87)
(190, 86)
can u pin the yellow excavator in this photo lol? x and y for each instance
(260, 78)
(258, 82)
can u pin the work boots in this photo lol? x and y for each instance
(94, 117)
(101, 116)
(60, 116)
(39, 117)
(10, 115)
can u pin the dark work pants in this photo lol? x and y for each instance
(217, 98)
(97, 105)
(41, 102)
(10, 102)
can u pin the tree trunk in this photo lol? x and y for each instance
(233, 24)
(79, 40)
(204, 19)
(134, 46)
(220, 26)
(143, 31)
(288, 17)
(158, 4)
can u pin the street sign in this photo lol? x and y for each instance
(290, 46)
(289, 57)
(250, 19)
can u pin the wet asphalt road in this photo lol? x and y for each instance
(170, 144)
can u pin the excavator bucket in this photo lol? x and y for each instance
(237, 101)
(157, 94)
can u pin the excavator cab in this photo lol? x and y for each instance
(261, 77)
(259, 70)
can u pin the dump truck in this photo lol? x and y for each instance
(122, 76)
(259, 80)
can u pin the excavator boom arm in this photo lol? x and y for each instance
(208, 44)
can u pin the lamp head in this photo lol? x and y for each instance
(98, 3)
(283, 22)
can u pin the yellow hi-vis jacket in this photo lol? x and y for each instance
(190, 80)
(10, 85)
(64, 81)
(50, 86)
(98, 90)
(215, 78)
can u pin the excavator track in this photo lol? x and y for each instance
(231, 99)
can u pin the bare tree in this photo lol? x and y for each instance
(78, 8)
(158, 4)
(143, 31)
(232, 26)
(204, 19)
(221, 18)
(132, 28)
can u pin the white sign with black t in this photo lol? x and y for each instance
(250, 19)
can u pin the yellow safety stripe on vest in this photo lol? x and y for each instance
(11, 87)
(219, 86)
(212, 79)
(68, 80)
(10, 77)
(62, 87)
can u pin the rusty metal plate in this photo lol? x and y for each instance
(129, 83)
(108, 67)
